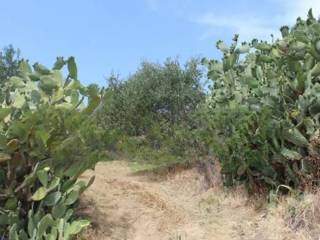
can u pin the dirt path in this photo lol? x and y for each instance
(128, 206)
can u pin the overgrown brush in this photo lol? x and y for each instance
(263, 115)
(47, 139)
(151, 112)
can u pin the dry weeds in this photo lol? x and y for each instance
(127, 206)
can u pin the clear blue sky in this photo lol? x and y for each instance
(116, 35)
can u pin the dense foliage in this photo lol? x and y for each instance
(154, 107)
(265, 107)
(261, 119)
(47, 140)
(9, 63)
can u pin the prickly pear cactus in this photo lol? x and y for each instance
(47, 139)
(265, 107)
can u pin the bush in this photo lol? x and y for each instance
(9, 63)
(264, 109)
(47, 139)
(155, 104)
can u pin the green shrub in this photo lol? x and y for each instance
(263, 115)
(166, 94)
(151, 113)
(9, 63)
(47, 139)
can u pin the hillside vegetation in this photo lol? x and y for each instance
(260, 117)
(264, 108)
(47, 141)
(259, 120)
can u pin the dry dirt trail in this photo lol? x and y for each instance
(130, 206)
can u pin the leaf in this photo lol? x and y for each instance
(4, 112)
(294, 136)
(43, 177)
(314, 109)
(93, 104)
(54, 183)
(19, 100)
(74, 98)
(16, 82)
(40, 194)
(315, 71)
(41, 69)
(244, 48)
(68, 184)
(68, 214)
(52, 199)
(46, 222)
(73, 85)
(309, 125)
(72, 197)
(262, 46)
(80, 186)
(59, 63)
(72, 67)
(58, 95)
(290, 154)
(59, 210)
(23, 235)
(91, 181)
(76, 226)
(53, 235)
(35, 96)
(221, 46)
(24, 67)
(43, 135)
(35, 77)
(13, 234)
(317, 45)
(61, 228)
(31, 225)
(58, 78)
(74, 170)
(11, 203)
(48, 84)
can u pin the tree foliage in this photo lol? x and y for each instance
(155, 93)
(9, 63)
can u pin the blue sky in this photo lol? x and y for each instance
(107, 36)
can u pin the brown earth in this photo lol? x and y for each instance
(176, 206)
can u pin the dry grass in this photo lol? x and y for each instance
(302, 214)
(189, 204)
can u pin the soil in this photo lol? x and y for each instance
(178, 205)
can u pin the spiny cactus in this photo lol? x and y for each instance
(47, 140)
(265, 107)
